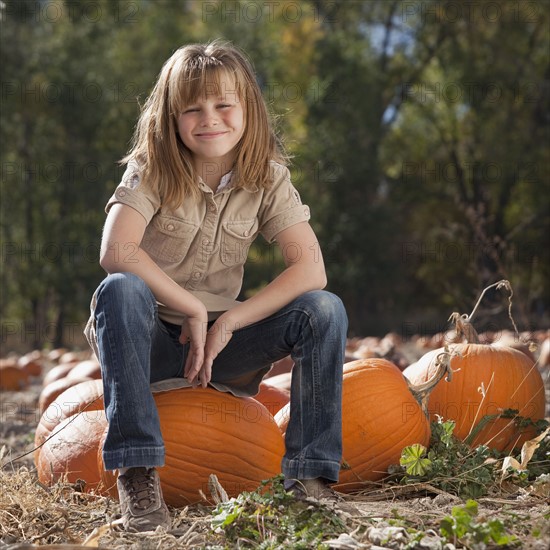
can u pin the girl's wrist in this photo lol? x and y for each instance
(227, 322)
(194, 308)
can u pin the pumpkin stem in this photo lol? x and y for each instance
(464, 328)
(463, 323)
(421, 392)
(499, 284)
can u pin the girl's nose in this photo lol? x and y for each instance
(209, 118)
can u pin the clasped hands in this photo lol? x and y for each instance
(204, 346)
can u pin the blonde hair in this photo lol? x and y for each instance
(166, 164)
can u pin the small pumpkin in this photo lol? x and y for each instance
(272, 397)
(12, 377)
(210, 432)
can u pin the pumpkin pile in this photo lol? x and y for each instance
(485, 388)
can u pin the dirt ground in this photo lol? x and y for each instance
(32, 515)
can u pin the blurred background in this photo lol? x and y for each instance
(419, 132)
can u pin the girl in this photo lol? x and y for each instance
(205, 176)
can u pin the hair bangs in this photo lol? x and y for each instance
(197, 81)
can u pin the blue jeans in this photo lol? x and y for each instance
(136, 348)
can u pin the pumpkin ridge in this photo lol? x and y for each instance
(247, 440)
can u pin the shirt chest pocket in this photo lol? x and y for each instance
(236, 238)
(167, 238)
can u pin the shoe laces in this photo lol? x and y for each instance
(139, 482)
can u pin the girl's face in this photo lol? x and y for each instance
(212, 126)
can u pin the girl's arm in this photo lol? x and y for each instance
(304, 271)
(121, 252)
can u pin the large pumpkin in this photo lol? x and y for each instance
(235, 438)
(486, 381)
(210, 432)
(380, 416)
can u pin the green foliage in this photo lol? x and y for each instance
(418, 141)
(463, 526)
(270, 518)
(452, 465)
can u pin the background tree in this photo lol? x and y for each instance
(419, 135)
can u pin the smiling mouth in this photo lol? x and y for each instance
(210, 134)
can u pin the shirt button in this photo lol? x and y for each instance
(246, 233)
(205, 241)
(170, 227)
(197, 274)
(122, 193)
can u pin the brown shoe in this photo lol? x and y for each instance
(317, 490)
(141, 502)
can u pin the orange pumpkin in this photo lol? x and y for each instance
(380, 416)
(71, 452)
(84, 396)
(210, 432)
(486, 381)
(272, 397)
(12, 377)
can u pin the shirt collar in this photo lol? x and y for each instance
(225, 182)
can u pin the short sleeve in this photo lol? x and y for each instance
(132, 192)
(281, 206)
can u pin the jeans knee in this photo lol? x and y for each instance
(123, 286)
(326, 308)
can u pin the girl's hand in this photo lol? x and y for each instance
(216, 339)
(193, 331)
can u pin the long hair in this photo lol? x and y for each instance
(166, 164)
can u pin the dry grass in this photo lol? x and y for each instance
(62, 516)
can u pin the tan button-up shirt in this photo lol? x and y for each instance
(203, 245)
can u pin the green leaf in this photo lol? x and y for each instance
(226, 515)
(412, 459)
